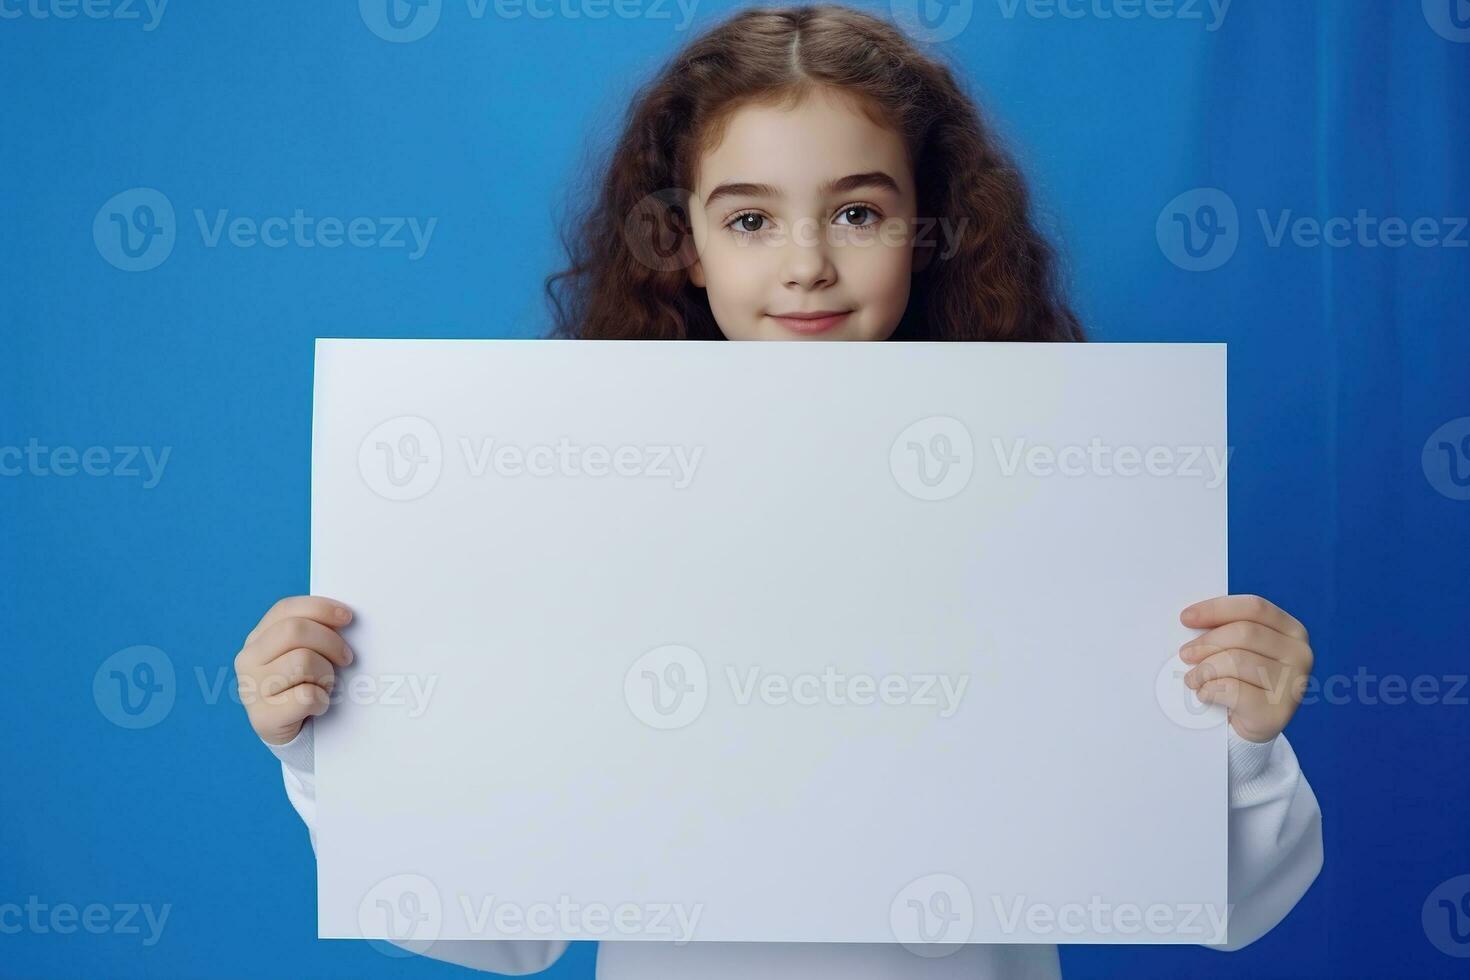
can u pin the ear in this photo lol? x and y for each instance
(691, 261)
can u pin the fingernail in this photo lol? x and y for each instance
(1191, 679)
(350, 655)
(342, 613)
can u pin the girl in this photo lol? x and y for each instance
(772, 184)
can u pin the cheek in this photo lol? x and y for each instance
(879, 278)
(735, 274)
(731, 271)
(732, 282)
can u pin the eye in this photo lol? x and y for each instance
(861, 210)
(747, 223)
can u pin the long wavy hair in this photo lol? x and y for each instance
(625, 278)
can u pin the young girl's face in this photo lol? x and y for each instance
(805, 210)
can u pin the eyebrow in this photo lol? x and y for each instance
(841, 185)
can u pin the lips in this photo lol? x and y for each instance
(817, 321)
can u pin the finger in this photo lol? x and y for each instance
(1245, 635)
(1251, 715)
(1233, 693)
(328, 612)
(306, 697)
(287, 635)
(1244, 665)
(1252, 608)
(296, 667)
(280, 721)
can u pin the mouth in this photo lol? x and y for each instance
(819, 321)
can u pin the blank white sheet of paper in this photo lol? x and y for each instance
(771, 642)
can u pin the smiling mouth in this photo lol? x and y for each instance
(807, 323)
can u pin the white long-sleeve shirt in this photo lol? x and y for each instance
(1275, 854)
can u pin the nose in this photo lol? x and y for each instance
(807, 262)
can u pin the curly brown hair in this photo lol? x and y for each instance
(998, 281)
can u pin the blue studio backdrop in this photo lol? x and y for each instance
(1287, 177)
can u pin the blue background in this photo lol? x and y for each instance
(1342, 362)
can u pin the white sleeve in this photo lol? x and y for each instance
(1275, 837)
(298, 768)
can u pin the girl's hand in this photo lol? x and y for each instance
(285, 670)
(1255, 660)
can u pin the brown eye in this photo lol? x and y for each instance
(862, 211)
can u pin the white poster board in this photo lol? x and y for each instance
(769, 641)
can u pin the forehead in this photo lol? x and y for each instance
(799, 147)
